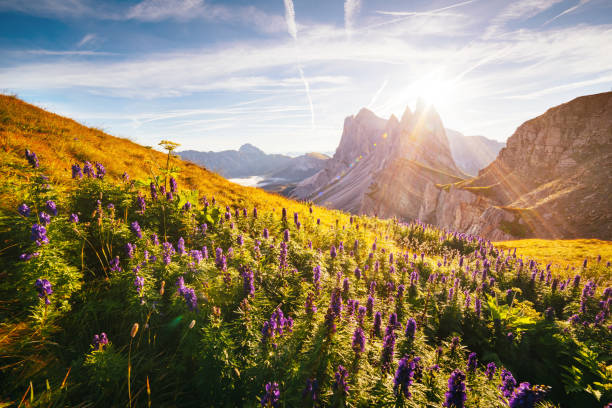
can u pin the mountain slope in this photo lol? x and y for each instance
(472, 153)
(552, 180)
(60, 142)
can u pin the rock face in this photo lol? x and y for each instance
(552, 180)
(382, 167)
(472, 153)
(250, 161)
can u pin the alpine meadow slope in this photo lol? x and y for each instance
(123, 286)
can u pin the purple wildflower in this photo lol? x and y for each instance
(359, 340)
(508, 383)
(44, 289)
(456, 396)
(472, 362)
(271, 397)
(490, 372)
(411, 327)
(32, 158)
(24, 210)
(100, 341)
(74, 218)
(114, 264)
(39, 234)
(139, 284)
(135, 227)
(403, 376)
(340, 381)
(388, 351)
(526, 396)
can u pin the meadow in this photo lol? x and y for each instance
(161, 284)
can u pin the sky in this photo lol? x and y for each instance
(283, 74)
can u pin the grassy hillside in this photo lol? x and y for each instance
(115, 294)
(561, 252)
(59, 142)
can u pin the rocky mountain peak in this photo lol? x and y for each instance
(248, 148)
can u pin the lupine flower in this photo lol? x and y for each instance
(490, 372)
(114, 264)
(135, 227)
(455, 396)
(51, 207)
(477, 306)
(388, 351)
(39, 234)
(393, 322)
(24, 210)
(248, 282)
(276, 325)
(271, 397)
(282, 257)
(180, 246)
(187, 206)
(240, 240)
(188, 294)
(32, 158)
(332, 252)
(472, 362)
(100, 171)
(284, 213)
(167, 252)
(411, 327)
(100, 341)
(310, 307)
(139, 284)
(403, 377)
(44, 289)
(27, 257)
(74, 218)
(526, 396)
(129, 250)
(340, 381)
(153, 188)
(359, 340)
(76, 171)
(549, 313)
(169, 196)
(141, 203)
(266, 234)
(173, 185)
(345, 286)
(220, 259)
(312, 389)
(125, 176)
(508, 383)
(357, 273)
(88, 169)
(335, 303)
(154, 239)
(370, 305)
(45, 218)
(316, 277)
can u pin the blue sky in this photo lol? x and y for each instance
(284, 74)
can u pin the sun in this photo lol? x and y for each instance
(434, 89)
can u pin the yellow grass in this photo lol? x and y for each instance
(59, 142)
(560, 252)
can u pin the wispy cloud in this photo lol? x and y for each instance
(81, 53)
(568, 11)
(425, 13)
(518, 10)
(88, 38)
(351, 8)
(292, 30)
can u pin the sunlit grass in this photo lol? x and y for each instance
(560, 252)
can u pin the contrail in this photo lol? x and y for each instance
(377, 94)
(351, 8)
(292, 30)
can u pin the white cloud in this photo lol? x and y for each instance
(518, 10)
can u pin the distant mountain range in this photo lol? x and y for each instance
(472, 153)
(274, 172)
(278, 172)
